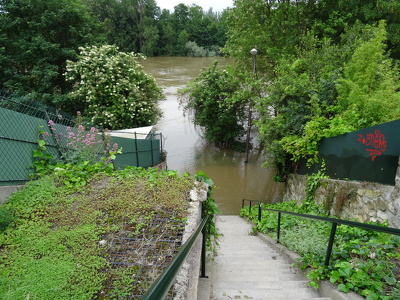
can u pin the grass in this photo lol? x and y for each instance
(63, 243)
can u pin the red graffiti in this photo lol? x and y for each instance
(376, 143)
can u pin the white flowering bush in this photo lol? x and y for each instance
(115, 90)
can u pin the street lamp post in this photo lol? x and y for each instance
(249, 120)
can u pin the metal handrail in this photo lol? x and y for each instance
(334, 222)
(161, 286)
(250, 202)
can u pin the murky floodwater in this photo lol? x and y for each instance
(188, 152)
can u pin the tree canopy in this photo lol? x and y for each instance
(141, 27)
(328, 67)
(38, 37)
(216, 106)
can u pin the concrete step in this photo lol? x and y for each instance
(259, 284)
(258, 275)
(245, 267)
(245, 297)
(265, 294)
(239, 265)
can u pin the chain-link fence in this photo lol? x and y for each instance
(20, 122)
(23, 122)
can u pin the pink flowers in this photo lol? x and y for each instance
(82, 145)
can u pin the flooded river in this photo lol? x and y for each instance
(188, 152)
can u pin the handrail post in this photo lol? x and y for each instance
(259, 211)
(203, 252)
(330, 244)
(250, 208)
(279, 227)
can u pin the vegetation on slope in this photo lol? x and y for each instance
(58, 242)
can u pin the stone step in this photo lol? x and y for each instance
(249, 255)
(256, 275)
(259, 284)
(245, 297)
(240, 265)
(245, 267)
(265, 294)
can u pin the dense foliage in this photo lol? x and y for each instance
(366, 262)
(112, 89)
(329, 67)
(141, 27)
(38, 37)
(218, 101)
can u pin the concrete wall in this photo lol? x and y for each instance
(6, 191)
(362, 201)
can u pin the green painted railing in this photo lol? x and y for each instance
(163, 283)
(334, 222)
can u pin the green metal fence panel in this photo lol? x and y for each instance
(18, 135)
(19, 126)
(19, 132)
(15, 157)
(20, 122)
(137, 152)
(370, 154)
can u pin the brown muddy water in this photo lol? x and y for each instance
(188, 152)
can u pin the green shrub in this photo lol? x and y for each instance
(111, 88)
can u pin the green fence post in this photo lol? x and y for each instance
(330, 244)
(279, 227)
(137, 151)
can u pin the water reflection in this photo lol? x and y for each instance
(188, 152)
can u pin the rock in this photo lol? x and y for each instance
(199, 193)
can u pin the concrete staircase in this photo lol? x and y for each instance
(245, 267)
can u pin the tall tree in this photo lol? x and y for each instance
(38, 37)
(333, 16)
(129, 24)
(368, 93)
(274, 26)
(216, 107)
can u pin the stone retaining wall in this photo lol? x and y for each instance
(361, 201)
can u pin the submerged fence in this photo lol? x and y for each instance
(20, 122)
